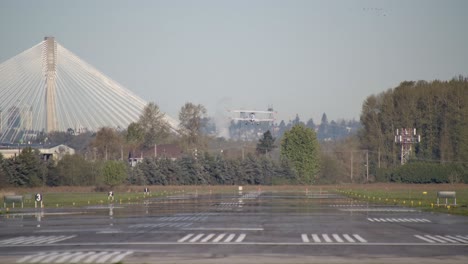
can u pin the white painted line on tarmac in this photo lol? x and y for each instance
(185, 238)
(347, 237)
(42, 257)
(327, 238)
(337, 238)
(447, 239)
(436, 239)
(49, 258)
(207, 238)
(81, 256)
(425, 239)
(104, 258)
(216, 240)
(240, 244)
(305, 239)
(121, 256)
(195, 239)
(229, 238)
(316, 238)
(240, 238)
(358, 237)
(93, 257)
(464, 240)
(26, 258)
(223, 229)
(72, 255)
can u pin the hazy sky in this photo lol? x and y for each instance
(304, 57)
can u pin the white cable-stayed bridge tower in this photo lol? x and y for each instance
(48, 88)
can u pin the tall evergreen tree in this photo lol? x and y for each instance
(266, 144)
(300, 146)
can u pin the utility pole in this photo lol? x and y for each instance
(351, 166)
(367, 165)
(406, 137)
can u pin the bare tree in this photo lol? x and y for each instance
(190, 117)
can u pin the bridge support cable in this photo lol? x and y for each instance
(47, 88)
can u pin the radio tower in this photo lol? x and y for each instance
(406, 137)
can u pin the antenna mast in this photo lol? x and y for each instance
(406, 137)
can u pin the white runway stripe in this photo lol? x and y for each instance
(358, 237)
(106, 257)
(446, 239)
(337, 238)
(121, 256)
(402, 220)
(423, 238)
(54, 256)
(82, 256)
(212, 238)
(316, 238)
(334, 238)
(208, 237)
(93, 257)
(185, 238)
(443, 239)
(229, 238)
(195, 239)
(75, 257)
(26, 258)
(216, 240)
(70, 256)
(34, 240)
(348, 238)
(326, 238)
(240, 238)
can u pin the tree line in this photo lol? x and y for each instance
(103, 163)
(438, 110)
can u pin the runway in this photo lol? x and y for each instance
(255, 227)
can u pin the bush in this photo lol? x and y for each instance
(424, 172)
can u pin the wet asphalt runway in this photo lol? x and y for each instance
(253, 227)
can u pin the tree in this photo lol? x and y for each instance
(27, 169)
(310, 124)
(266, 144)
(154, 125)
(73, 170)
(114, 172)
(134, 136)
(323, 128)
(190, 117)
(108, 143)
(3, 175)
(300, 146)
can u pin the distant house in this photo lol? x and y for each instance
(56, 152)
(47, 152)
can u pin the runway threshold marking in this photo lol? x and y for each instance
(212, 238)
(34, 240)
(400, 220)
(76, 257)
(443, 239)
(334, 238)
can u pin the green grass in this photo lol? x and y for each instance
(411, 195)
